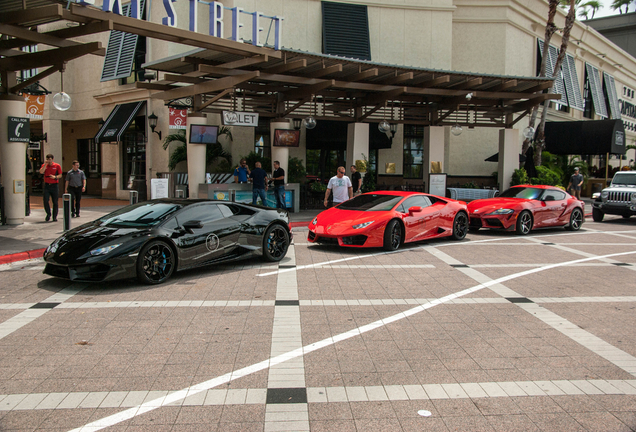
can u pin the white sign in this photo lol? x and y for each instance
(235, 118)
(158, 188)
(437, 184)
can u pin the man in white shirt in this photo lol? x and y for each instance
(341, 186)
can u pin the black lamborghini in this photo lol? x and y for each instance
(153, 239)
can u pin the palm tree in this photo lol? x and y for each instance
(618, 4)
(212, 151)
(589, 6)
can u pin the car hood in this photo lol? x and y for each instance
(485, 206)
(336, 222)
(79, 241)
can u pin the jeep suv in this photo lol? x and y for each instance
(617, 199)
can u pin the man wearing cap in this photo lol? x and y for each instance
(576, 181)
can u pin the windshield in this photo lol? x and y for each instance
(624, 179)
(521, 192)
(139, 215)
(371, 202)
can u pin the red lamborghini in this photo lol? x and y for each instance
(527, 207)
(389, 218)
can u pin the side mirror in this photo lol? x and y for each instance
(548, 198)
(190, 225)
(415, 209)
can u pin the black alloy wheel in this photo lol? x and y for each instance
(524, 223)
(576, 220)
(460, 226)
(392, 235)
(156, 263)
(275, 243)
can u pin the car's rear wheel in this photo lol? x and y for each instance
(460, 226)
(597, 215)
(275, 243)
(576, 220)
(156, 263)
(392, 235)
(524, 223)
(626, 216)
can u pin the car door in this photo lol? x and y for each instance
(551, 207)
(415, 223)
(558, 207)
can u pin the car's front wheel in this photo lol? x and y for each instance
(156, 263)
(460, 226)
(275, 243)
(597, 215)
(576, 220)
(524, 223)
(392, 235)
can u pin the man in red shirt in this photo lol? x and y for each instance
(52, 174)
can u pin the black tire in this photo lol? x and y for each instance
(524, 223)
(576, 220)
(156, 263)
(626, 216)
(473, 229)
(275, 243)
(597, 215)
(460, 226)
(392, 235)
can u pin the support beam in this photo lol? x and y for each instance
(212, 100)
(296, 106)
(302, 92)
(248, 61)
(52, 12)
(530, 103)
(398, 78)
(183, 79)
(65, 33)
(49, 57)
(469, 83)
(210, 86)
(373, 72)
(515, 121)
(36, 78)
(380, 98)
(435, 81)
(503, 86)
(287, 67)
(325, 71)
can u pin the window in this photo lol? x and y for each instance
(345, 30)
(412, 160)
(89, 157)
(551, 60)
(204, 213)
(416, 201)
(611, 98)
(593, 80)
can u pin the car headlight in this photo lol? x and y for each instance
(315, 221)
(52, 247)
(104, 250)
(634, 198)
(502, 211)
(596, 195)
(362, 225)
(604, 195)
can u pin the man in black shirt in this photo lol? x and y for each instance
(356, 180)
(258, 177)
(279, 185)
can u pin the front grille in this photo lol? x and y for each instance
(312, 235)
(475, 222)
(91, 272)
(619, 196)
(328, 240)
(56, 270)
(354, 240)
(494, 222)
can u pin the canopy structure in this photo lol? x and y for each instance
(118, 121)
(597, 137)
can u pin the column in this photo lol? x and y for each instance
(509, 148)
(12, 157)
(432, 151)
(196, 158)
(53, 144)
(357, 144)
(280, 154)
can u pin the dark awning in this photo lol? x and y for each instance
(495, 158)
(591, 137)
(118, 121)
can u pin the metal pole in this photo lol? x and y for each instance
(134, 197)
(66, 198)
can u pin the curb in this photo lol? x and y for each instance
(21, 256)
(299, 224)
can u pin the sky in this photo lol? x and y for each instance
(606, 10)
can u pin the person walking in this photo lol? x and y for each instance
(52, 173)
(258, 177)
(279, 185)
(75, 184)
(356, 180)
(341, 186)
(576, 181)
(241, 172)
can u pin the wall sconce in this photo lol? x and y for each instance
(152, 122)
(297, 123)
(394, 127)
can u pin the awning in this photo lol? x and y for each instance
(118, 121)
(495, 158)
(591, 137)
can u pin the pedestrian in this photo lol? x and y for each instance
(279, 185)
(356, 180)
(258, 177)
(576, 181)
(341, 186)
(242, 172)
(76, 184)
(52, 173)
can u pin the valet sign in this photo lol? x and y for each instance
(234, 118)
(215, 11)
(19, 129)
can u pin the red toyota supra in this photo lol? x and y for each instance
(526, 207)
(388, 219)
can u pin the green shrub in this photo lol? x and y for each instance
(369, 180)
(295, 170)
(519, 177)
(318, 187)
(470, 185)
(253, 157)
(546, 176)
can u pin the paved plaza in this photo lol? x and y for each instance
(494, 333)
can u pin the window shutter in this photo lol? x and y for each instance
(594, 81)
(612, 97)
(571, 80)
(120, 53)
(558, 87)
(345, 30)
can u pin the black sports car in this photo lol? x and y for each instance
(152, 239)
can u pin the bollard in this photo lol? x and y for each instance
(179, 193)
(134, 197)
(66, 199)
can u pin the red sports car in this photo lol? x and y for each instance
(389, 218)
(526, 207)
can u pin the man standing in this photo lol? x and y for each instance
(241, 172)
(258, 177)
(52, 173)
(356, 180)
(279, 185)
(576, 181)
(76, 184)
(341, 186)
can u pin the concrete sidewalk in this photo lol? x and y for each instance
(20, 242)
